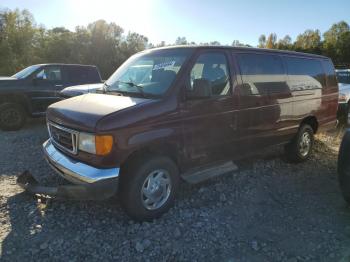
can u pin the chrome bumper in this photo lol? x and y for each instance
(76, 172)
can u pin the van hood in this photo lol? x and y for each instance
(83, 112)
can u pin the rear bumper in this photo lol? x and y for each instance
(88, 182)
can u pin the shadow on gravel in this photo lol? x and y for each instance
(47, 229)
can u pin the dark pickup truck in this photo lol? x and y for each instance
(185, 113)
(32, 90)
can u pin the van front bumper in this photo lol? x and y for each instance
(87, 182)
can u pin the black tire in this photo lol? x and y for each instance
(12, 116)
(297, 152)
(134, 180)
(344, 167)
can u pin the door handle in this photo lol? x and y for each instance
(58, 85)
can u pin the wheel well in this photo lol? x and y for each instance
(312, 121)
(168, 150)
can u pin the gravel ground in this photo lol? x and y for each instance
(269, 210)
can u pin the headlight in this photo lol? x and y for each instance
(95, 144)
(342, 97)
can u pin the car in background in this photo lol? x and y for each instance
(78, 90)
(343, 76)
(135, 73)
(29, 92)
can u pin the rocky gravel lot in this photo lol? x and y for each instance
(269, 210)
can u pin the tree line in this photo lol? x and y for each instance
(23, 43)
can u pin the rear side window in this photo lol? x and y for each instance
(83, 75)
(308, 72)
(330, 73)
(261, 74)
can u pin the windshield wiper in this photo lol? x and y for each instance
(132, 84)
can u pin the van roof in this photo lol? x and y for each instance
(62, 64)
(251, 49)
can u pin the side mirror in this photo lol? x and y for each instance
(201, 89)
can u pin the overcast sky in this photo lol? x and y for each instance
(199, 21)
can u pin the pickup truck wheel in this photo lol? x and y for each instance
(344, 167)
(299, 149)
(12, 116)
(148, 188)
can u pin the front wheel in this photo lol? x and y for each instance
(12, 116)
(299, 149)
(148, 187)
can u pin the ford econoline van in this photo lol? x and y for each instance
(186, 115)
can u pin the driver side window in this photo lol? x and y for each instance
(211, 71)
(50, 73)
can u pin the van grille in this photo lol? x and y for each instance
(64, 138)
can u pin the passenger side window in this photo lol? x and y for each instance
(306, 73)
(261, 74)
(50, 74)
(212, 73)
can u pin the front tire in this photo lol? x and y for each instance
(148, 187)
(299, 149)
(12, 116)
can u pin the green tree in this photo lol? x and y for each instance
(336, 42)
(271, 41)
(262, 41)
(17, 36)
(181, 41)
(309, 41)
(285, 43)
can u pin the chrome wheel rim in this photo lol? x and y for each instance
(305, 144)
(156, 189)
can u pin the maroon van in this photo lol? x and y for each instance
(185, 113)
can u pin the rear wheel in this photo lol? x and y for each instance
(148, 187)
(299, 149)
(12, 116)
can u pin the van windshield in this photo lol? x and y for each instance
(343, 77)
(26, 72)
(148, 74)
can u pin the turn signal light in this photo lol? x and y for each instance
(103, 145)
